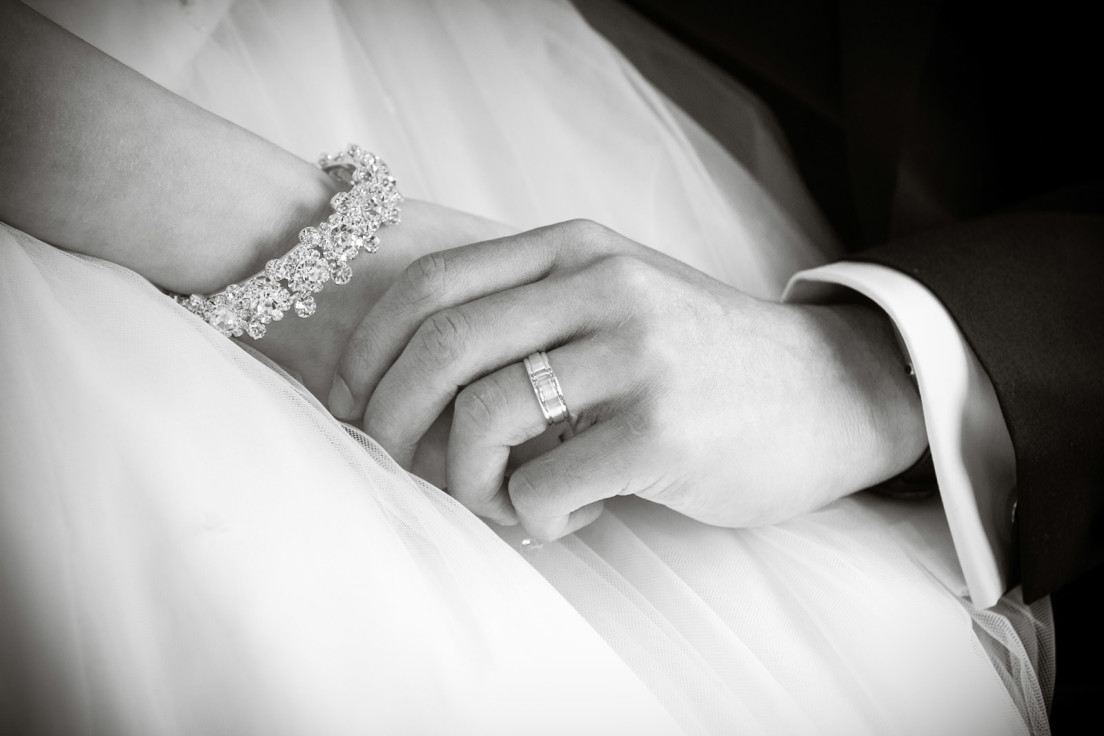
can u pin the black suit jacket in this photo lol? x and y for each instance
(960, 143)
(1026, 290)
(975, 110)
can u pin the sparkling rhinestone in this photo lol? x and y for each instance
(291, 260)
(372, 245)
(281, 300)
(196, 304)
(343, 274)
(267, 308)
(275, 270)
(310, 236)
(339, 201)
(256, 330)
(225, 321)
(305, 306)
(309, 274)
(317, 274)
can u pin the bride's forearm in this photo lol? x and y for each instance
(98, 159)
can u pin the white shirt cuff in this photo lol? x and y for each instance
(971, 449)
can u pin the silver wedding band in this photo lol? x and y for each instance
(547, 388)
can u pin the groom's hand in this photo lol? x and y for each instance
(680, 389)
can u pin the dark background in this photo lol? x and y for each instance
(906, 116)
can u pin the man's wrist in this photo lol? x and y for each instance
(880, 423)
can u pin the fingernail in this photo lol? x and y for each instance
(341, 399)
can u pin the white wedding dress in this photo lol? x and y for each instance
(190, 544)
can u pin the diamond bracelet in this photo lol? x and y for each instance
(323, 252)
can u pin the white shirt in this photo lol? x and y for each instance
(970, 446)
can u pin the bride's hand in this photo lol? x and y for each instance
(311, 347)
(681, 389)
(184, 198)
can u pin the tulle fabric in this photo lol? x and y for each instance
(191, 545)
(516, 111)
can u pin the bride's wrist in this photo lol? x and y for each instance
(280, 214)
(314, 266)
(312, 347)
(263, 223)
(323, 251)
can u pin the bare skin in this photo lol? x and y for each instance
(97, 159)
(683, 390)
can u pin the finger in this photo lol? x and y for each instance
(552, 529)
(523, 453)
(441, 280)
(501, 411)
(428, 462)
(563, 490)
(459, 345)
(491, 416)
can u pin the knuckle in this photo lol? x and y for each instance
(478, 406)
(629, 275)
(444, 336)
(426, 278)
(659, 355)
(587, 239)
(586, 230)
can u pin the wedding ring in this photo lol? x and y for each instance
(547, 388)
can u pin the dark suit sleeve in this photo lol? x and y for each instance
(928, 114)
(1027, 291)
